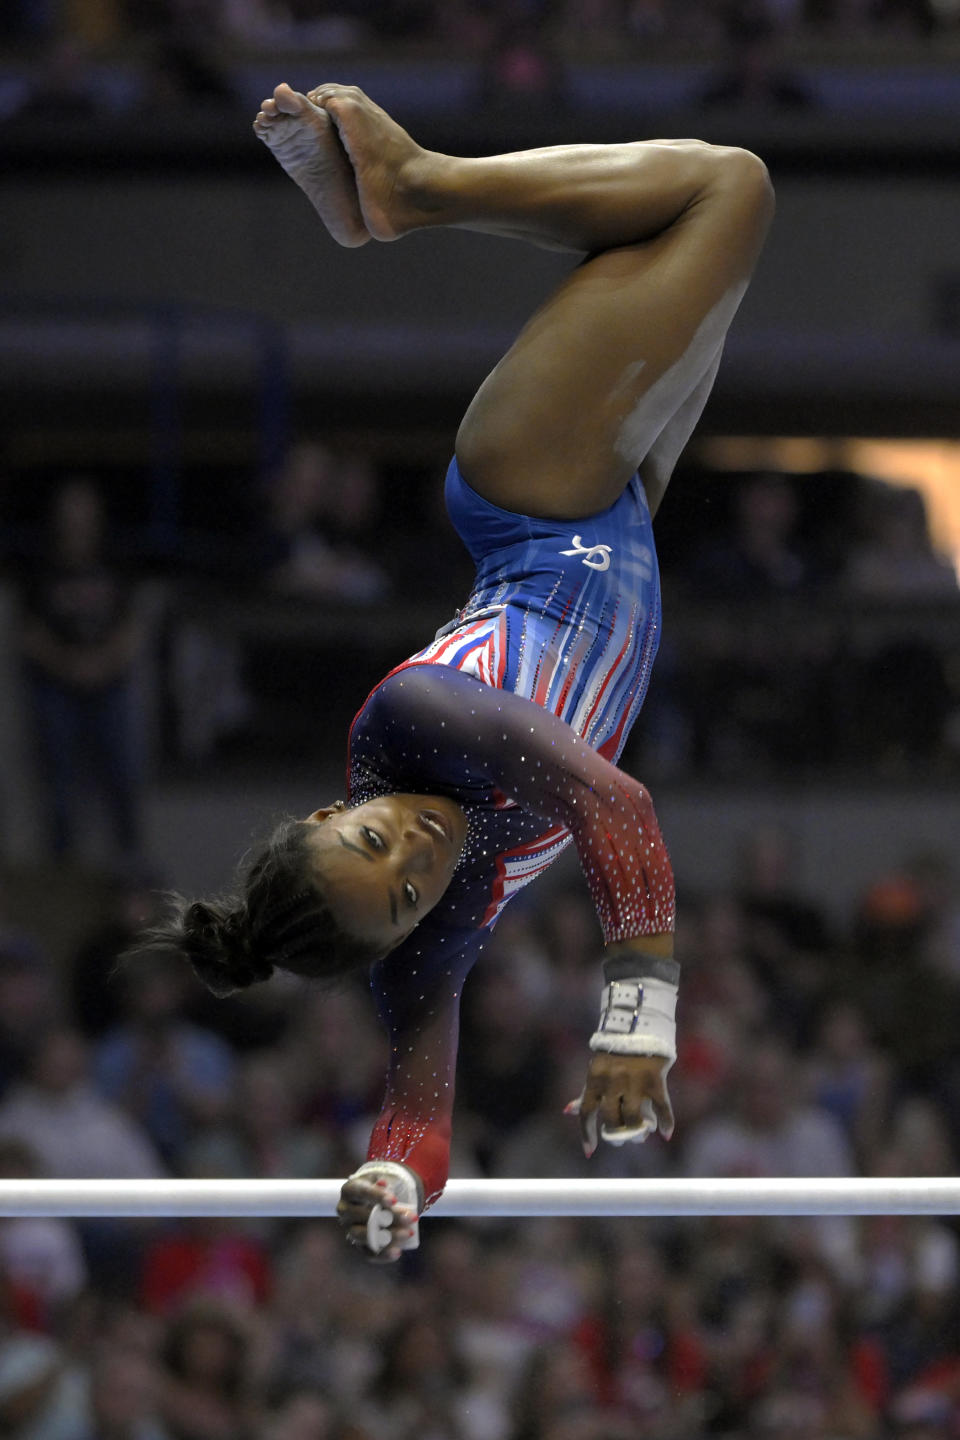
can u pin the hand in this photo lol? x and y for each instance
(626, 1096)
(374, 1219)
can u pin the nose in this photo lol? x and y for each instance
(418, 848)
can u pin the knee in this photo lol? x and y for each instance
(745, 171)
(486, 444)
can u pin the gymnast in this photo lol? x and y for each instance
(475, 762)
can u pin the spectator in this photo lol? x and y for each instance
(95, 983)
(417, 1390)
(40, 1253)
(753, 703)
(262, 1136)
(889, 973)
(202, 1259)
(73, 1131)
(557, 1385)
(300, 1414)
(849, 1078)
(786, 936)
(62, 84)
(768, 1130)
(322, 512)
(520, 69)
(29, 1001)
(170, 1075)
(205, 1393)
(895, 559)
(642, 1340)
(504, 1066)
(41, 1394)
(80, 639)
(755, 73)
(123, 1397)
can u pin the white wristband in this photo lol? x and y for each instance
(638, 1017)
(404, 1185)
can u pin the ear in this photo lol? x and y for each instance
(324, 813)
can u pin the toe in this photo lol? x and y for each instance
(288, 100)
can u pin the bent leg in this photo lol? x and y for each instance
(615, 368)
(624, 351)
(620, 359)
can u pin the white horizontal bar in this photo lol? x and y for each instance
(503, 1198)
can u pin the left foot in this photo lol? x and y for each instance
(304, 140)
(400, 185)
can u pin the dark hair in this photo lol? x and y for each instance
(280, 920)
(205, 1313)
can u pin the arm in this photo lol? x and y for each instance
(506, 745)
(417, 990)
(527, 755)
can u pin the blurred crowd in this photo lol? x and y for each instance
(461, 28)
(189, 50)
(808, 1046)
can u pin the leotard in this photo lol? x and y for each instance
(516, 710)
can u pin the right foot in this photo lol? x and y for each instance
(304, 139)
(391, 173)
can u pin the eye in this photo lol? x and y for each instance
(372, 837)
(410, 893)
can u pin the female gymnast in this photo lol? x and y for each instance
(475, 762)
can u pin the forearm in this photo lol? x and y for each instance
(660, 945)
(423, 1149)
(422, 1022)
(575, 197)
(626, 863)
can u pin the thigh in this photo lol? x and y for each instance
(626, 343)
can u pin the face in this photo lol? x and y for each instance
(386, 863)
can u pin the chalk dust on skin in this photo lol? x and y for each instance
(661, 403)
(659, 462)
(305, 142)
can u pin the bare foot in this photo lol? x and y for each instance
(304, 140)
(394, 175)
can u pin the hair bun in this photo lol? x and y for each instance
(217, 944)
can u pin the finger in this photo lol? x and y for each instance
(587, 1112)
(611, 1111)
(357, 1236)
(366, 1192)
(641, 1125)
(588, 1124)
(358, 1197)
(663, 1109)
(637, 1113)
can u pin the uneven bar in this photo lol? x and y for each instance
(491, 1198)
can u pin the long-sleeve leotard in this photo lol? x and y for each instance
(516, 710)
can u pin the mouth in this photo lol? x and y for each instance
(436, 825)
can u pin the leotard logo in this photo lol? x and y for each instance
(596, 556)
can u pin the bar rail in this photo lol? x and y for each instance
(513, 1199)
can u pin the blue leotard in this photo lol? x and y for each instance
(565, 612)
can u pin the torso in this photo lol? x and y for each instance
(565, 613)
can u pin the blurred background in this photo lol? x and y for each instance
(221, 460)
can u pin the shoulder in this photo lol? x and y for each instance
(408, 696)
